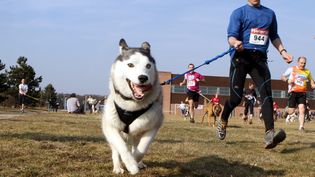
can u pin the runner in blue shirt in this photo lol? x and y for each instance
(249, 31)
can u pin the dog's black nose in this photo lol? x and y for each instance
(143, 78)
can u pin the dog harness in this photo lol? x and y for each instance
(128, 117)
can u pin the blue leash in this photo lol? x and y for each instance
(205, 63)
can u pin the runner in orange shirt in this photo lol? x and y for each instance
(297, 78)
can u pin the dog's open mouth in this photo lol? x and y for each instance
(138, 90)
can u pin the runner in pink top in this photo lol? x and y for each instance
(192, 78)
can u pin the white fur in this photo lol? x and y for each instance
(143, 130)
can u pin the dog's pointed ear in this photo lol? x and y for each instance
(146, 46)
(122, 45)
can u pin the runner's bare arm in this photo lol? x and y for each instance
(277, 43)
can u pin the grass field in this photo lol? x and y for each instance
(58, 144)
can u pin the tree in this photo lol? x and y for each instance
(50, 93)
(23, 71)
(3, 83)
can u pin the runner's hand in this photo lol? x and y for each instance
(287, 57)
(238, 45)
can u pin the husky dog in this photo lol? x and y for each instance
(133, 112)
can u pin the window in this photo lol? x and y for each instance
(224, 91)
(284, 94)
(178, 89)
(212, 90)
(204, 90)
(276, 93)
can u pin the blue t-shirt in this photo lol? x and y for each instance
(254, 26)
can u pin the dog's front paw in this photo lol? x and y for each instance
(118, 170)
(133, 169)
(141, 165)
(130, 163)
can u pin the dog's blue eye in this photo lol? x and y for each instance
(148, 66)
(131, 65)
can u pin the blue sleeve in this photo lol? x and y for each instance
(235, 24)
(273, 29)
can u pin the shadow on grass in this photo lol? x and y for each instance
(295, 149)
(214, 166)
(234, 126)
(239, 142)
(168, 141)
(51, 137)
(309, 131)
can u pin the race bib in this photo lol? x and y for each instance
(191, 83)
(258, 36)
(299, 82)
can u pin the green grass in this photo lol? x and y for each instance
(58, 144)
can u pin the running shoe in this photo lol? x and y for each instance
(272, 138)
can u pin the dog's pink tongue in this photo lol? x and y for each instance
(138, 92)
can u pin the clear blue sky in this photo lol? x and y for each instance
(72, 43)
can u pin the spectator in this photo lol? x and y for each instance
(73, 105)
(91, 104)
(23, 88)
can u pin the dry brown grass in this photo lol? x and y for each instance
(58, 144)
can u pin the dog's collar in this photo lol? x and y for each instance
(128, 117)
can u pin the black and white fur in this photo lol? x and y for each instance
(134, 89)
